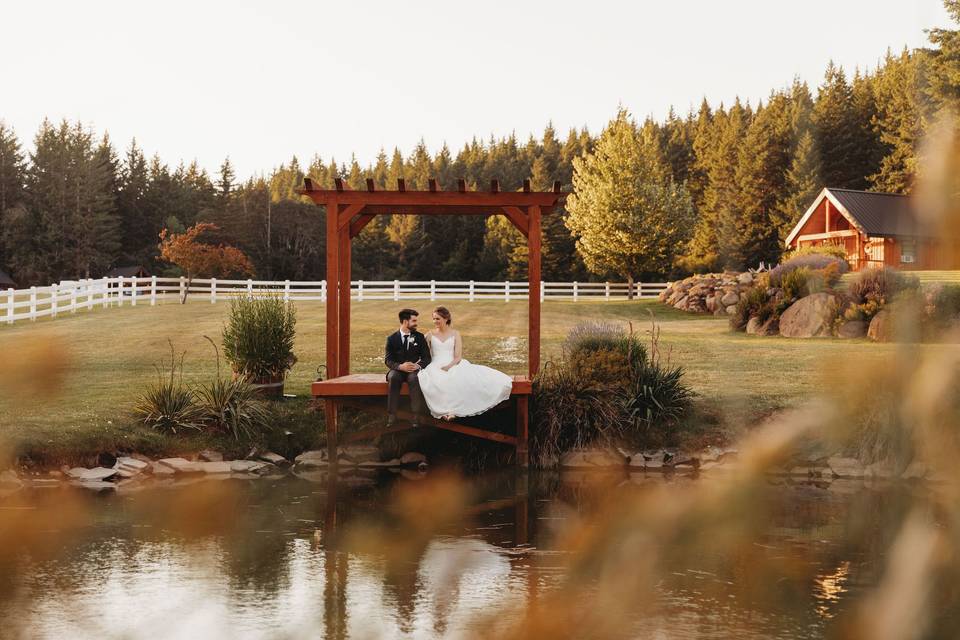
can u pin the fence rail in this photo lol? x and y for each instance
(69, 296)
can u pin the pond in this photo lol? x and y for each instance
(439, 555)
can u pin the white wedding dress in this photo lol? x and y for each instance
(466, 389)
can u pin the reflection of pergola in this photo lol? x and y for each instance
(348, 212)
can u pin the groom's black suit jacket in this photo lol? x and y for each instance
(416, 350)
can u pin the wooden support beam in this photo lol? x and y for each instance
(526, 185)
(333, 269)
(494, 186)
(357, 225)
(338, 183)
(401, 185)
(432, 182)
(330, 419)
(408, 416)
(523, 419)
(346, 215)
(370, 186)
(533, 274)
(343, 322)
(518, 218)
(556, 186)
(461, 185)
(308, 185)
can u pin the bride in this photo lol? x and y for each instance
(452, 385)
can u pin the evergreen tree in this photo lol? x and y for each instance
(944, 64)
(226, 180)
(11, 198)
(836, 130)
(630, 217)
(803, 183)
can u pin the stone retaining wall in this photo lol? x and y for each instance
(716, 293)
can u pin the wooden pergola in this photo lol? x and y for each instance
(348, 212)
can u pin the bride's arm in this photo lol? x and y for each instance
(457, 351)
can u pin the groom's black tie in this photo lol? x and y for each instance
(405, 336)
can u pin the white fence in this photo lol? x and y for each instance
(68, 296)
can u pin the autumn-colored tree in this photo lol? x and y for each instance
(197, 258)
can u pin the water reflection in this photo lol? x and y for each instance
(392, 557)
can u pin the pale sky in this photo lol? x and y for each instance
(262, 81)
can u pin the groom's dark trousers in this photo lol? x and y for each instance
(396, 352)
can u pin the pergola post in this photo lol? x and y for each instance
(343, 322)
(333, 315)
(533, 279)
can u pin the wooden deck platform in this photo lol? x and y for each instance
(353, 389)
(375, 384)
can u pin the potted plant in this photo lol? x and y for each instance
(258, 341)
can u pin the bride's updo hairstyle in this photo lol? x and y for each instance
(444, 313)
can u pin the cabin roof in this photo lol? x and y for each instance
(127, 272)
(872, 213)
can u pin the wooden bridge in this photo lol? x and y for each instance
(348, 212)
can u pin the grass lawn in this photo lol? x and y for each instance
(109, 358)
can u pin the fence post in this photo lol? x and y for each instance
(183, 286)
(543, 286)
(54, 294)
(213, 290)
(639, 289)
(360, 290)
(323, 290)
(133, 290)
(433, 290)
(286, 291)
(73, 299)
(153, 291)
(33, 304)
(607, 291)
(471, 291)
(249, 287)
(10, 298)
(106, 292)
(120, 291)
(396, 290)
(575, 291)
(506, 291)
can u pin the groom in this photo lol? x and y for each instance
(406, 354)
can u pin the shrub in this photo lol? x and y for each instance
(833, 250)
(258, 337)
(657, 397)
(232, 406)
(593, 337)
(946, 303)
(879, 285)
(169, 405)
(830, 266)
(570, 412)
(753, 303)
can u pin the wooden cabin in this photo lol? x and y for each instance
(875, 229)
(133, 271)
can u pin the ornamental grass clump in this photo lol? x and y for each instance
(829, 267)
(232, 406)
(169, 405)
(258, 337)
(607, 388)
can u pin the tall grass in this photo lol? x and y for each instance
(169, 405)
(258, 337)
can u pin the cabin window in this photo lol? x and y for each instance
(908, 251)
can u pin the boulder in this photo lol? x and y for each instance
(732, 309)
(593, 459)
(753, 325)
(181, 465)
(412, 458)
(730, 298)
(128, 467)
(359, 453)
(161, 469)
(852, 329)
(97, 474)
(249, 466)
(745, 278)
(711, 303)
(846, 467)
(274, 458)
(214, 467)
(316, 458)
(809, 317)
(881, 329)
(209, 455)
